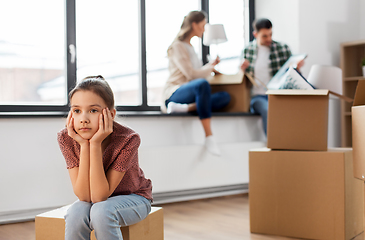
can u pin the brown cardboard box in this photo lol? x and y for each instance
(237, 87)
(297, 119)
(358, 130)
(305, 194)
(51, 226)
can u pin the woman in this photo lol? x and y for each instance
(187, 88)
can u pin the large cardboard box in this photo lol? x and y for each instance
(358, 130)
(51, 226)
(297, 119)
(238, 87)
(305, 194)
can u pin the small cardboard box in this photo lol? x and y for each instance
(358, 130)
(297, 119)
(238, 88)
(305, 194)
(51, 226)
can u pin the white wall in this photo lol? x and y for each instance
(362, 20)
(33, 173)
(34, 176)
(315, 27)
(284, 16)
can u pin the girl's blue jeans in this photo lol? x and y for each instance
(105, 217)
(259, 105)
(199, 91)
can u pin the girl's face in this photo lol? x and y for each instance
(199, 28)
(86, 108)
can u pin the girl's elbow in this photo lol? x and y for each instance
(82, 197)
(98, 198)
(85, 200)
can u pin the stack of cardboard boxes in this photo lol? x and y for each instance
(298, 187)
(358, 132)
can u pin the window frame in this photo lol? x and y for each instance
(14, 110)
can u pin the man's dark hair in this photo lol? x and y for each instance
(261, 23)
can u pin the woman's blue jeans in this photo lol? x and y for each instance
(105, 217)
(259, 105)
(199, 91)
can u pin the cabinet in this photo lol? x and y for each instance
(351, 55)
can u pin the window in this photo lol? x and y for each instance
(230, 51)
(125, 41)
(162, 27)
(32, 52)
(107, 44)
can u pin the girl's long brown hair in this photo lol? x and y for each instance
(97, 85)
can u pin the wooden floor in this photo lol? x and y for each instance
(224, 218)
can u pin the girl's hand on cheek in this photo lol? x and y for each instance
(105, 127)
(71, 130)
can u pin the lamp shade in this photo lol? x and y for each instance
(214, 34)
(326, 77)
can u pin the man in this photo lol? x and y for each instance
(262, 58)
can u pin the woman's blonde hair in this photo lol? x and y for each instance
(186, 26)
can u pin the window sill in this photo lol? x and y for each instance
(121, 113)
(190, 114)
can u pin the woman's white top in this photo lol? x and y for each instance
(195, 61)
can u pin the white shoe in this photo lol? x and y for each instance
(177, 107)
(212, 146)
